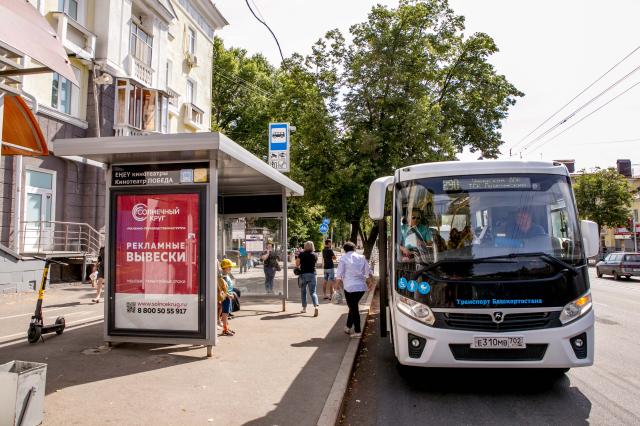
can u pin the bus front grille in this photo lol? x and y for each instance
(533, 352)
(485, 322)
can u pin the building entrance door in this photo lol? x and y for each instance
(39, 211)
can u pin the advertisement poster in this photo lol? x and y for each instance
(156, 261)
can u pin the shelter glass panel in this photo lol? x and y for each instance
(255, 246)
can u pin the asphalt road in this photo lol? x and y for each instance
(73, 302)
(606, 393)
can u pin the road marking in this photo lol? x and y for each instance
(31, 313)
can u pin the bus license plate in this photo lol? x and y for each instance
(502, 342)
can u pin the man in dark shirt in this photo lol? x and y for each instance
(328, 256)
(525, 227)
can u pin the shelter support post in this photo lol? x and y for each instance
(285, 241)
(212, 250)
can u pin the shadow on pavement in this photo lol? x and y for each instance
(80, 356)
(381, 391)
(62, 305)
(308, 392)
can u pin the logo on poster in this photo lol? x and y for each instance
(141, 213)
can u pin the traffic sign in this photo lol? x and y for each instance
(324, 228)
(279, 146)
(325, 221)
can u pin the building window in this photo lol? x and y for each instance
(64, 95)
(70, 7)
(141, 44)
(191, 92)
(140, 108)
(191, 41)
(169, 71)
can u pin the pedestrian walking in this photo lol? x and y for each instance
(355, 277)
(244, 258)
(100, 276)
(328, 258)
(270, 260)
(306, 261)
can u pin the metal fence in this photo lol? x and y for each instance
(46, 237)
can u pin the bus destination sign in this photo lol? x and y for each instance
(476, 183)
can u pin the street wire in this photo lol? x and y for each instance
(585, 117)
(607, 142)
(573, 99)
(265, 24)
(238, 80)
(583, 106)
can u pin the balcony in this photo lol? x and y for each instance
(126, 130)
(75, 38)
(140, 71)
(193, 116)
(174, 99)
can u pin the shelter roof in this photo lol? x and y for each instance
(239, 171)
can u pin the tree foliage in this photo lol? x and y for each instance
(604, 197)
(409, 88)
(414, 89)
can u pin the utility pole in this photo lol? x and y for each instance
(634, 217)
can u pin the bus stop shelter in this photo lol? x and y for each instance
(175, 205)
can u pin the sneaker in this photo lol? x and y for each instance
(356, 335)
(347, 330)
(315, 312)
(303, 311)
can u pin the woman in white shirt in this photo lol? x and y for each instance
(353, 276)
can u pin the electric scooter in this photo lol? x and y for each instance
(36, 327)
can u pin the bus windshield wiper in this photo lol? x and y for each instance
(545, 256)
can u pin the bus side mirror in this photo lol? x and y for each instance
(590, 237)
(377, 194)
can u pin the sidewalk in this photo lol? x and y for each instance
(278, 370)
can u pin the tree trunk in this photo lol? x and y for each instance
(370, 242)
(355, 228)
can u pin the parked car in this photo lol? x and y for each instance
(619, 265)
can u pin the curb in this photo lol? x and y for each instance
(331, 410)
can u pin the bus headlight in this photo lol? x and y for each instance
(416, 310)
(576, 309)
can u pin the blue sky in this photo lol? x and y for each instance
(551, 50)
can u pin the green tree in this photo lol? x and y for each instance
(248, 94)
(604, 197)
(410, 88)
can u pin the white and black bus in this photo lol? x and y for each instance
(486, 267)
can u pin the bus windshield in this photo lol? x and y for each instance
(479, 217)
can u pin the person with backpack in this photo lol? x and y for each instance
(306, 261)
(225, 296)
(270, 260)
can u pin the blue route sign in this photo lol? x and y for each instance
(324, 228)
(278, 136)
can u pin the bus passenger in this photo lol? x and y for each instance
(417, 235)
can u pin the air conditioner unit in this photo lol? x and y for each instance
(192, 60)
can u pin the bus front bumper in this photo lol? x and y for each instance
(546, 348)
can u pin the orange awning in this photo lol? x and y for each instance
(21, 134)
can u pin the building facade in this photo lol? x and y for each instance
(144, 67)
